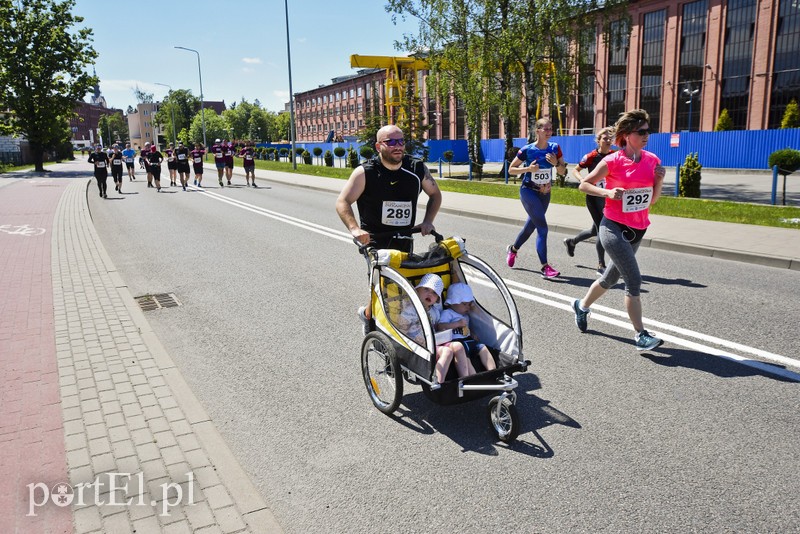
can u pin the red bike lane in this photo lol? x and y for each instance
(32, 449)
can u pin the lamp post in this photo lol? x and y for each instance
(202, 106)
(688, 91)
(172, 113)
(291, 95)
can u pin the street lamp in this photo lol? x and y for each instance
(172, 112)
(291, 94)
(200, 72)
(688, 91)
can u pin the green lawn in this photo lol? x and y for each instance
(692, 208)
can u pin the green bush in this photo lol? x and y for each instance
(317, 151)
(339, 152)
(366, 152)
(299, 151)
(690, 177)
(724, 122)
(352, 158)
(791, 116)
(306, 157)
(448, 157)
(283, 152)
(787, 160)
(328, 157)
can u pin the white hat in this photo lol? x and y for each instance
(434, 282)
(217, 140)
(459, 293)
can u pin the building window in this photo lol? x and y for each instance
(617, 68)
(737, 60)
(360, 107)
(586, 107)
(432, 115)
(446, 119)
(461, 120)
(786, 76)
(360, 90)
(692, 65)
(352, 93)
(651, 83)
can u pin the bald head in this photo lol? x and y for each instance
(387, 131)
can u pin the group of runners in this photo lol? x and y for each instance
(620, 186)
(178, 160)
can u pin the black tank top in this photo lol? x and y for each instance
(389, 200)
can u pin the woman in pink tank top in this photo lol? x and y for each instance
(633, 179)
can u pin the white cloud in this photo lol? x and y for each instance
(251, 60)
(281, 94)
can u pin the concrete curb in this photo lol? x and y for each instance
(245, 495)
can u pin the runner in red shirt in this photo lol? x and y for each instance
(229, 152)
(197, 162)
(249, 162)
(219, 158)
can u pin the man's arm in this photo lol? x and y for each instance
(431, 189)
(351, 192)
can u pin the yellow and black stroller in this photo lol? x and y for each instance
(389, 354)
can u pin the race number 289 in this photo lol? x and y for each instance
(396, 213)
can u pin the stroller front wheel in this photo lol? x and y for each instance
(504, 419)
(381, 371)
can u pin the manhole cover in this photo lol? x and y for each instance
(155, 302)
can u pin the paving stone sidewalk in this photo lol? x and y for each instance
(126, 409)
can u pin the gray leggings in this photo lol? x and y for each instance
(621, 243)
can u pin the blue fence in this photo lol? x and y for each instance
(741, 149)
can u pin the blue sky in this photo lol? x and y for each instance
(242, 45)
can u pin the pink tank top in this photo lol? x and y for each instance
(638, 180)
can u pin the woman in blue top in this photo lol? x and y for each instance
(541, 159)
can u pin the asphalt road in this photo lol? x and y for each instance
(612, 440)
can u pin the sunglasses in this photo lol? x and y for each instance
(394, 142)
(643, 131)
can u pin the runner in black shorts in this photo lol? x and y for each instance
(129, 154)
(182, 157)
(229, 151)
(197, 162)
(172, 164)
(218, 149)
(116, 168)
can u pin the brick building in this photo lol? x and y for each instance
(684, 62)
(84, 125)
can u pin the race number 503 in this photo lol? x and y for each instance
(634, 200)
(396, 213)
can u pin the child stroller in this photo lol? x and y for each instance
(389, 355)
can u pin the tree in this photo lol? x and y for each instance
(216, 127)
(282, 123)
(182, 105)
(113, 128)
(724, 122)
(142, 97)
(791, 116)
(43, 62)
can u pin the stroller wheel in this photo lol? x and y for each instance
(504, 419)
(381, 372)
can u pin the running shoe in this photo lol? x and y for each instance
(548, 272)
(601, 268)
(254, 184)
(221, 184)
(362, 314)
(580, 315)
(184, 188)
(195, 182)
(644, 341)
(570, 247)
(512, 256)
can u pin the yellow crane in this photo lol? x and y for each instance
(399, 70)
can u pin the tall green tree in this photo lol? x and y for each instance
(113, 128)
(182, 105)
(43, 61)
(216, 127)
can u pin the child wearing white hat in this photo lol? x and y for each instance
(456, 317)
(429, 290)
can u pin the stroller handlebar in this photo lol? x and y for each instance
(405, 233)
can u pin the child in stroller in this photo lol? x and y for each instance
(456, 318)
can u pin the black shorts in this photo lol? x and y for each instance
(183, 168)
(172, 165)
(116, 172)
(198, 169)
(228, 165)
(129, 164)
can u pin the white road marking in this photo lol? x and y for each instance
(564, 302)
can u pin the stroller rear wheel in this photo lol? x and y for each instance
(381, 372)
(504, 419)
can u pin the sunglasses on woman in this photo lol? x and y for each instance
(643, 131)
